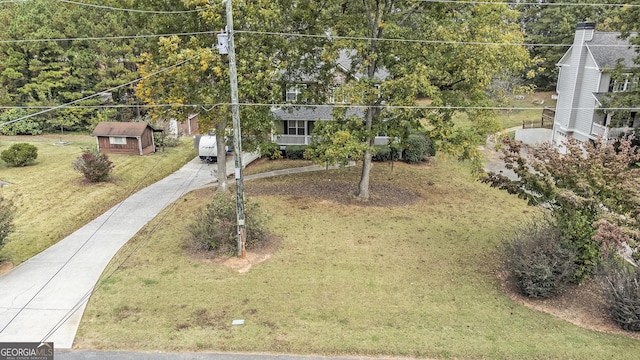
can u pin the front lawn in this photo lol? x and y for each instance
(52, 198)
(414, 280)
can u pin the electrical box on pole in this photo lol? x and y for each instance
(223, 42)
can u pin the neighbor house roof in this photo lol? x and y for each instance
(345, 63)
(607, 47)
(320, 112)
(126, 129)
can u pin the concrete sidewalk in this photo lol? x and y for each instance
(43, 299)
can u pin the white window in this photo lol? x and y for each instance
(116, 140)
(295, 127)
(334, 94)
(293, 92)
(625, 84)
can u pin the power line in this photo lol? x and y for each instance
(106, 37)
(254, 32)
(131, 10)
(541, 3)
(209, 107)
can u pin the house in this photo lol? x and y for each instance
(134, 138)
(585, 78)
(176, 129)
(295, 124)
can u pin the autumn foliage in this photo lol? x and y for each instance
(591, 189)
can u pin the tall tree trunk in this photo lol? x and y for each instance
(363, 190)
(222, 156)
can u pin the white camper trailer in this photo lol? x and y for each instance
(208, 148)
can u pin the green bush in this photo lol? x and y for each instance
(215, 228)
(94, 166)
(386, 153)
(162, 140)
(416, 148)
(621, 285)
(538, 261)
(7, 214)
(576, 227)
(21, 154)
(295, 152)
(271, 150)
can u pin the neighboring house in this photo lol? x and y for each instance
(135, 138)
(585, 78)
(175, 128)
(294, 125)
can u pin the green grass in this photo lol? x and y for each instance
(531, 112)
(262, 165)
(52, 199)
(416, 280)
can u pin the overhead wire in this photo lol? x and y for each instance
(209, 107)
(163, 12)
(100, 92)
(537, 3)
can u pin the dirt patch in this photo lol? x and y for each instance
(582, 305)
(382, 195)
(257, 254)
(5, 266)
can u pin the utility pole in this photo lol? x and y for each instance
(237, 142)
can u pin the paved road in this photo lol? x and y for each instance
(122, 355)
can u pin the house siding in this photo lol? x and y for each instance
(586, 103)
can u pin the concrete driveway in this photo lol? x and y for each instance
(43, 299)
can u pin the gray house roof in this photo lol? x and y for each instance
(318, 112)
(345, 63)
(608, 47)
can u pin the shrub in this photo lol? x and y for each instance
(576, 228)
(162, 140)
(538, 261)
(271, 150)
(215, 227)
(416, 148)
(295, 152)
(386, 153)
(21, 154)
(621, 285)
(7, 214)
(94, 166)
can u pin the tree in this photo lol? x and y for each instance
(592, 189)
(51, 73)
(203, 80)
(437, 58)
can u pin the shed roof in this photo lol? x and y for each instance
(126, 129)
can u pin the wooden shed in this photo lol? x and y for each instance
(125, 138)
